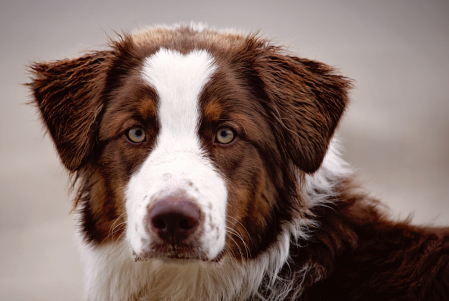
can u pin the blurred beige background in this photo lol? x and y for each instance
(395, 134)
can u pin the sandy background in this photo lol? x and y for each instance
(396, 132)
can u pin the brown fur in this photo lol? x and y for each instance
(361, 255)
(68, 95)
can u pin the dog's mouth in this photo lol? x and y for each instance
(176, 255)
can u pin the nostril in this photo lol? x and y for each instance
(159, 223)
(187, 223)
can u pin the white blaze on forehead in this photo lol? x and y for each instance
(177, 162)
(178, 80)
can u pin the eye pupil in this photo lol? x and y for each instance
(225, 136)
(136, 135)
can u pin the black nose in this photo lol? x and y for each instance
(173, 219)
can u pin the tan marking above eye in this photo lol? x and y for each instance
(136, 134)
(224, 135)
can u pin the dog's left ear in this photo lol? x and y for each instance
(306, 100)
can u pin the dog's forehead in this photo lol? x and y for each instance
(178, 80)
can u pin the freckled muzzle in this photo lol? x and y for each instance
(173, 224)
(180, 216)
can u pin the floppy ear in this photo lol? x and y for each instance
(68, 94)
(307, 100)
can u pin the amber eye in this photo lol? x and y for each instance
(225, 135)
(136, 134)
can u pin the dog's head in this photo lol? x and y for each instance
(189, 143)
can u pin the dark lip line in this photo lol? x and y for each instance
(176, 256)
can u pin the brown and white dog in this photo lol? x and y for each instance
(207, 170)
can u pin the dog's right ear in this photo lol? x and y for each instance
(68, 95)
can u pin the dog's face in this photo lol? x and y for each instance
(189, 144)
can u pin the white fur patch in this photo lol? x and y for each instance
(319, 187)
(111, 274)
(177, 163)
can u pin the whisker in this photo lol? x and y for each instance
(239, 236)
(240, 251)
(244, 228)
(116, 228)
